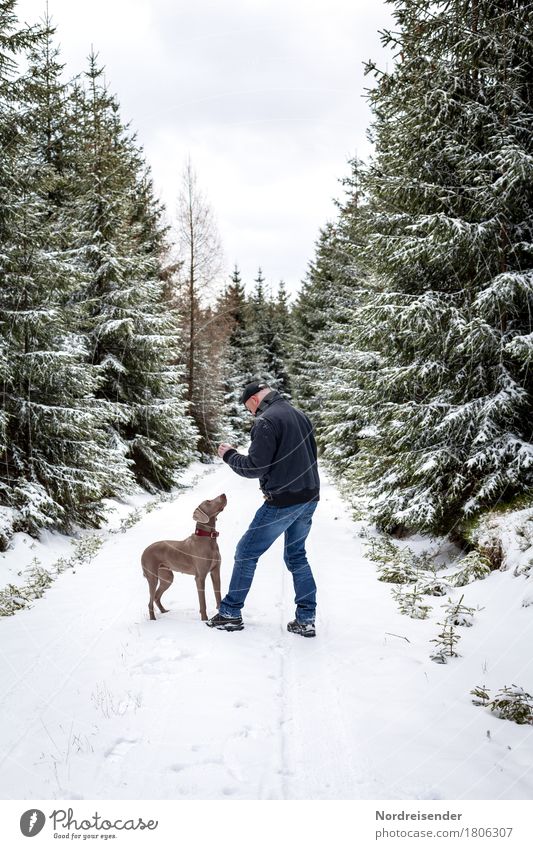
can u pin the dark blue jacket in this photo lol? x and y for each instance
(282, 454)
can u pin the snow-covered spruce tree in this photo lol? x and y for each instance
(161, 434)
(132, 335)
(449, 240)
(341, 366)
(54, 466)
(326, 352)
(256, 309)
(282, 313)
(310, 315)
(338, 420)
(259, 311)
(13, 40)
(275, 332)
(238, 358)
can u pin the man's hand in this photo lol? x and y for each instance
(222, 448)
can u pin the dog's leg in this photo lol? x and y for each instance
(200, 586)
(215, 577)
(152, 578)
(166, 576)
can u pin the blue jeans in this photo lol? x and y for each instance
(267, 525)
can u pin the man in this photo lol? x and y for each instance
(283, 456)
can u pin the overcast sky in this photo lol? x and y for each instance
(266, 96)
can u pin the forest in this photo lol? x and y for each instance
(124, 343)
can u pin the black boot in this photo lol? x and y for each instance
(306, 629)
(225, 623)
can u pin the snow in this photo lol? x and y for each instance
(99, 702)
(513, 530)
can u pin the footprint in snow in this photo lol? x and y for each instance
(120, 748)
(158, 663)
(229, 791)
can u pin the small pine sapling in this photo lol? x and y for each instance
(434, 586)
(481, 695)
(410, 601)
(474, 567)
(397, 573)
(14, 598)
(459, 614)
(445, 643)
(424, 562)
(39, 579)
(513, 703)
(86, 548)
(394, 564)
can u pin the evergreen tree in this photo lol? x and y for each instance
(341, 364)
(262, 332)
(259, 297)
(160, 432)
(324, 366)
(133, 338)
(448, 237)
(274, 338)
(282, 309)
(12, 41)
(242, 335)
(238, 358)
(309, 318)
(54, 467)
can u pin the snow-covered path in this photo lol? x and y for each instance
(99, 702)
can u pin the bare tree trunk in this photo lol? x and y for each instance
(201, 254)
(191, 326)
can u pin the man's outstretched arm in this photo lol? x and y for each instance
(260, 455)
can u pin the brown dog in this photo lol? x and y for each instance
(197, 555)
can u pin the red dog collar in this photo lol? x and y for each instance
(201, 533)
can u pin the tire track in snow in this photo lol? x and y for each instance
(321, 761)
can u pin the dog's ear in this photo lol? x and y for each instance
(200, 516)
